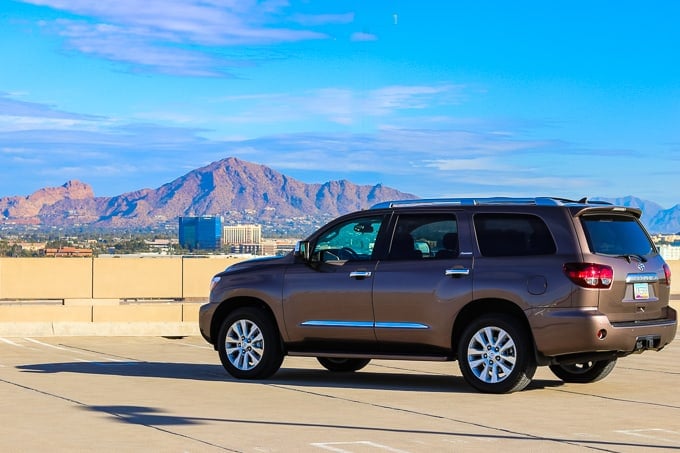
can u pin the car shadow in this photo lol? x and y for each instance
(159, 419)
(409, 380)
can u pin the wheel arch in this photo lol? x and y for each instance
(229, 305)
(485, 306)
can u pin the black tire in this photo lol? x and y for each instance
(249, 344)
(342, 365)
(495, 354)
(584, 373)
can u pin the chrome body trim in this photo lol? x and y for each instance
(364, 324)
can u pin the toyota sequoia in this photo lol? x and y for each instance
(502, 285)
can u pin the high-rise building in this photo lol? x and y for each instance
(200, 233)
(242, 234)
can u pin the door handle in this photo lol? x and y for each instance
(458, 272)
(359, 274)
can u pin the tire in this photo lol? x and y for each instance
(342, 365)
(249, 344)
(495, 354)
(584, 373)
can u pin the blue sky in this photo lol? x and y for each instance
(434, 98)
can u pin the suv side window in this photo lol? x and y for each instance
(513, 235)
(351, 240)
(616, 235)
(418, 236)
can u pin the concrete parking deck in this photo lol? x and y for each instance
(158, 394)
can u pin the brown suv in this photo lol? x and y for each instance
(500, 284)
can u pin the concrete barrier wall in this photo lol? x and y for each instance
(197, 273)
(45, 278)
(108, 278)
(127, 278)
(675, 278)
(138, 278)
(118, 296)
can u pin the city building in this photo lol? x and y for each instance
(67, 251)
(200, 233)
(669, 252)
(244, 239)
(241, 234)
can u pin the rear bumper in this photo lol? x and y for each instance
(568, 331)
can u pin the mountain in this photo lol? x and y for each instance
(656, 218)
(231, 187)
(238, 190)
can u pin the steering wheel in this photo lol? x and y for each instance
(347, 253)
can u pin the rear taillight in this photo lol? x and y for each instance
(590, 275)
(667, 273)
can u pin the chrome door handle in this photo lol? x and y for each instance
(359, 274)
(457, 272)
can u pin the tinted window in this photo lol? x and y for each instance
(351, 240)
(513, 235)
(418, 236)
(616, 235)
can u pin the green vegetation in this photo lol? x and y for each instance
(34, 244)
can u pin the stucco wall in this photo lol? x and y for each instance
(108, 278)
(118, 296)
(128, 278)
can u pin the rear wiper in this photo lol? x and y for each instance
(630, 256)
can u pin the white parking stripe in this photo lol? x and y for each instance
(195, 346)
(5, 340)
(658, 434)
(334, 446)
(50, 345)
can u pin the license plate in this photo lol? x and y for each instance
(641, 291)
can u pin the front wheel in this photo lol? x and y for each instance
(494, 354)
(342, 365)
(584, 373)
(249, 345)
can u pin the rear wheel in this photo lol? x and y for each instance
(494, 354)
(249, 345)
(342, 365)
(583, 373)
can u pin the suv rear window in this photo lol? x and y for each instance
(513, 235)
(616, 235)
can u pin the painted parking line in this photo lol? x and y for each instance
(197, 346)
(657, 434)
(100, 357)
(345, 447)
(47, 345)
(10, 342)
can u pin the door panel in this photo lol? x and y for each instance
(329, 303)
(415, 301)
(330, 298)
(416, 295)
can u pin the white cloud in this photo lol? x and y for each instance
(477, 163)
(363, 37)
(341, 106)
(322, 19)
(180, 37)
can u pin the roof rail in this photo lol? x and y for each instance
(543, 201)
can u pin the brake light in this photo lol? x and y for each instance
(667, 273)
(590, 275)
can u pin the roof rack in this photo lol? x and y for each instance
(542, 201)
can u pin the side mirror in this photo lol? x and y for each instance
(303, 251)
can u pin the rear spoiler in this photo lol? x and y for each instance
(610, 209)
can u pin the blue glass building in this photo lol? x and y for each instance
(200, 233)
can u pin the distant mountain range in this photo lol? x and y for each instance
(238, 190)
(231, 187)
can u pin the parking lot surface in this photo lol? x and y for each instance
(172, 395)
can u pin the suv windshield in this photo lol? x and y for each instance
(616, 235)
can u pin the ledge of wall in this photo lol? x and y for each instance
(99, 318)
